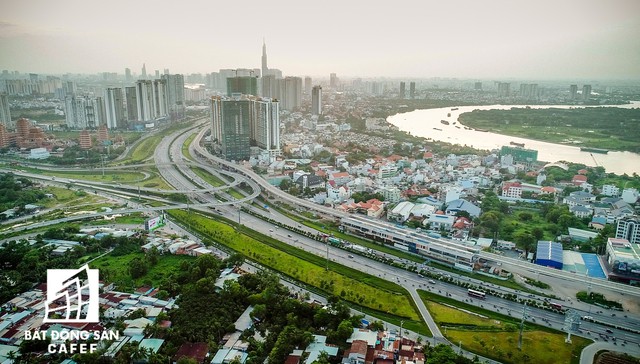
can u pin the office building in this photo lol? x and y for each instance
(586, 92)
(573, 92)
(292, 93)
(114, 108)
(246, 85)
(5, 113)
(231, 126)
(333, 80)
(402, 90)
(176, 106)
(127, 75)
(629, 228)
(316, 100)
(412, 90)
(144, 71)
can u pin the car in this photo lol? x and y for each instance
(587, 317)
(270, 230)
(288, 235)
(609, 331)
(350, 256)
(432, 281)
(420, 275)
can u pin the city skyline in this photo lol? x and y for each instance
(464, 39)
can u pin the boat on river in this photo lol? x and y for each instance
(444, 122)
(437, 129)
(594, 150)
(521, 145)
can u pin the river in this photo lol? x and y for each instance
(422, 123)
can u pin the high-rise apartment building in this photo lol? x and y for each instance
(629, 228)
(586, 92)
(5, 113)
(504, 89)
(151, 99)
(127, 75)
(265, 126)
(529, 91)
(402, 93)
(240, 121)
(114, 108)
(246, 85)
(132, 103)
(83, 112)
(477, 86)
(231, 126)
(412, 90)
(333, 80)
(316, 100)
(307, 85)
(268, 86)
(573, 91)
(175, 95)
(292, 95)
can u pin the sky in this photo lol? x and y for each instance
(490, 39)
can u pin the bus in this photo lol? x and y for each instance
(556, 306)
(476, 294)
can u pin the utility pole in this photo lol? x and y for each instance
(524, 315)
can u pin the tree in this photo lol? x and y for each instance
(137, 268)
(152, 256)
(525, 239)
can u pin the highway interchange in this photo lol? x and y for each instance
(175, 169)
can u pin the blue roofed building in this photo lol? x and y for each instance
(455, 206)
(549, 254)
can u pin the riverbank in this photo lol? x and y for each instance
(423, 123)
(610, 128)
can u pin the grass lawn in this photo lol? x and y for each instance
(235, 194)
(208, 177)
(352, 285)
(144, 150)
(496, 336)
(116, 268)
(185, 146)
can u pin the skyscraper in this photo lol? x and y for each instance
(144, 71)
(231, 126)
(144, 100)
(316, 100)
(402, 90)
(504, 89)
(159, 99)
(5, 113)
(175, 96)
(412, 90)
(333, 80)
(265, 69)
(246, 85)
(114, 108)
(586, 92)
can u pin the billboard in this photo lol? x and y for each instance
(154, 223)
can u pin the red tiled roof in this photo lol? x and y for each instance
(197, 351)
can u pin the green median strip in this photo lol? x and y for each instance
(372, 294)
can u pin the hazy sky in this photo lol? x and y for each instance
(541, 39)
